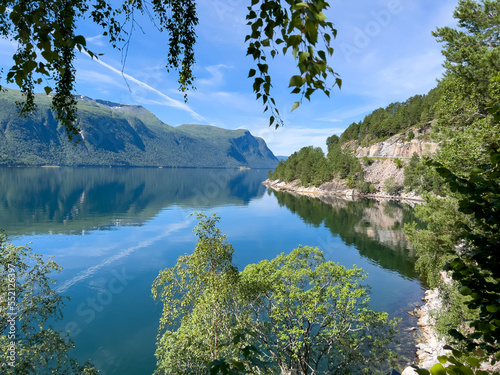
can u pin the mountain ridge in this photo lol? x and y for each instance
(115, 134)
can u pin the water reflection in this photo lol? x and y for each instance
(373, 227)
(75, 200)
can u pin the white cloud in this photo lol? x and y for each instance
(93, 76)
(288, 139)
(217, 75)
(97, 40)
(327, 119)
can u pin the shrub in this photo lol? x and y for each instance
(367, 161)
(399, 163)
(391, 186)
(411, 135)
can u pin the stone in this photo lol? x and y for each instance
(409, 371)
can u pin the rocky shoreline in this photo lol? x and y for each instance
(430, 346)
(335, 188)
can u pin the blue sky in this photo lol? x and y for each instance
(384, 52)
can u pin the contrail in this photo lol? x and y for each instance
(92, 270)
(169, 101)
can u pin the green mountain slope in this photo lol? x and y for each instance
(121, 135)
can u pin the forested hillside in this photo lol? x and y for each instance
(114, 134)
(396, 117)
(460, 184)
(411, 118)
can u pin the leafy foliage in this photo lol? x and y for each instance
(296, 312)
(470, 85)
(470, 165)
(45, 33)
(28, 344)
(309, 165)
(279, 26)
(472, 59)
(420, 177)
(310, 316)
(46, 36)
(475, 269)
(392, 186)
(198, 318)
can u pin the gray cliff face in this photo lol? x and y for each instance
(398, 146)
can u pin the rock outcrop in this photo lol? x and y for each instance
(398, 146)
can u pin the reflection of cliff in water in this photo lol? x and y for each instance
(374, 228)
(58, 200)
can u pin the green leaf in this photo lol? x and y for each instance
(296, 81)
(492, 308)
(80, 39)
(438, 369)
(251, 73)
(474, 362)
(442, 359)
(295, 106)
(421, 371)
(465, 291)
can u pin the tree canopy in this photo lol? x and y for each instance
(462, 229)
(47, 40)
(297, 313)
(28, 343)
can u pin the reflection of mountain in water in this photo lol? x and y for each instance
(374, 228)
(57, 200)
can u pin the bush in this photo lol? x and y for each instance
(399, 163)
(391, 186)
(411, 135)
(367, 161)
(366, 187)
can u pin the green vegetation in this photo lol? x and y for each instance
(391, 186)
(199, 311)
(121, 135)
(460, 185)
(28, 344)
(396, 117)
(310, 166)
(420, 177)
(462, 235)
(296, 312)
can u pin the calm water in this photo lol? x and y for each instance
(113, 229)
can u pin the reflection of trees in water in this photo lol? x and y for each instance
(45, 200)
(374, 228)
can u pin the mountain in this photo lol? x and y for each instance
(116, 134)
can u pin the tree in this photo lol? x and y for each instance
(332, 141)
(310, 316)
(28, 344)
(198, 319)
(297, 313)
(46, 37)
(470, 84)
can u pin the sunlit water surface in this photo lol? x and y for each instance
(114, 229)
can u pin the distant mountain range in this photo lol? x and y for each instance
(121, 135)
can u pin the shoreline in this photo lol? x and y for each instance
(336, 188)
